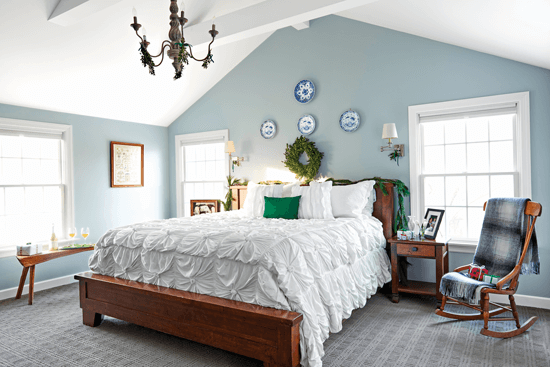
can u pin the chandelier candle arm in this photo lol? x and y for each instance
(178, 50)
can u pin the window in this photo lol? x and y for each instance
(201, 167)
(465, 152)
(35, 182)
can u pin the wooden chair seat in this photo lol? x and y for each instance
(506, 286)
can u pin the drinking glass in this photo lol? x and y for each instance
(72, 233)
(85, 232)
(424, 227)
(411, 224)
(417, 228)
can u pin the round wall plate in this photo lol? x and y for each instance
(349, 121)
(304, 91)
(268, 129)
(306, 124)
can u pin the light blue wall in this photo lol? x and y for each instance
(379, 73)
(97, 205)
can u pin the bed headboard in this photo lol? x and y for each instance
(383, 207)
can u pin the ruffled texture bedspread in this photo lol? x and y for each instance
(322, 269)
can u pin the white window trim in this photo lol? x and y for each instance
(66, 132)
(191, 138)
(523, 151)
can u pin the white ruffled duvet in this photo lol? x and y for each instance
(320, 268)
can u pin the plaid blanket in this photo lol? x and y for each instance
(499, 248)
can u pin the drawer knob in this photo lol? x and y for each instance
(415, 249)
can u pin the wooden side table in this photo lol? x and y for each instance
(29, 262)
(427, 249)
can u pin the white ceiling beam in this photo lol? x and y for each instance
(264, 17)
(300, 26)
(68, 12)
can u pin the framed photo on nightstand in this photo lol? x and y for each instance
(204, 207)
(434, 218)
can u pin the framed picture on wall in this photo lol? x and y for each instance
(204, 207)
(434, 218)
(126, 164)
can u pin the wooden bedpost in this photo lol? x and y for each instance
(384, 209)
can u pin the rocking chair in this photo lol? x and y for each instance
(506, 286)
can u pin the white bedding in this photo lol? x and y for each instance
(320, 268)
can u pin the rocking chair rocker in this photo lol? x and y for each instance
(532, 211)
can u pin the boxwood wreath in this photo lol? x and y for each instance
(293, 152)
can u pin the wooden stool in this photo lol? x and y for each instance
(29, 262)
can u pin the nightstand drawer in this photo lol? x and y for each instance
(415, 250)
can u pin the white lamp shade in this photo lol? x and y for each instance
(230, 147)
(389, 131)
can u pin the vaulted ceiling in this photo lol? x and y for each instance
(81, 56)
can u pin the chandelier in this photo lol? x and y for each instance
(178, 49)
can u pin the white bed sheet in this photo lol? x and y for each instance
(321, 268)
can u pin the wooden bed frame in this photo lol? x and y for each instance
(267, 334)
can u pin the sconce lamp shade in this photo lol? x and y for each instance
(389, 131)
(230, 147)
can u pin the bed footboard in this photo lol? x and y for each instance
(267, 334)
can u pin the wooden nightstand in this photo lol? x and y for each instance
(427, 249)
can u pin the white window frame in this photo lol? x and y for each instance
(198, 138)
(66, 132)
(523, 146)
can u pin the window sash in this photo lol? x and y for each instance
(444, 204)
(62, 132)
(521, 154)
(209, 137)
(38, 232)
(466, 173)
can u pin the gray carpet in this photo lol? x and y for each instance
(51, 333)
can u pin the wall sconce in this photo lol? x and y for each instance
(389, 132)
(233, 161)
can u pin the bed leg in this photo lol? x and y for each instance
(91, 318)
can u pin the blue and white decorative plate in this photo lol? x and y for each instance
(268, 129)
(304, 91)
(306, 124)
(349, 121)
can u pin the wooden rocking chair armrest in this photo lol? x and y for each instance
(508, 277)
(462, 268)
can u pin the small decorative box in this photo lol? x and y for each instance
(26, 250)
(29, 249)
(477, 271)
(402, 235)
(492, 279)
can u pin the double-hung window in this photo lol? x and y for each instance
(465, 152)
(201, 167)
(35, 182)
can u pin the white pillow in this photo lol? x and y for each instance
(287, 189)
(315, 201)
(254, 204)
(349, 201)
(369, 208)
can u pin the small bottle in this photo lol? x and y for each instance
(53, 240)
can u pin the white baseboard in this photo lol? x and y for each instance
(38, 286)
(523, 300)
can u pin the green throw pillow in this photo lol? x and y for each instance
(285, 208)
